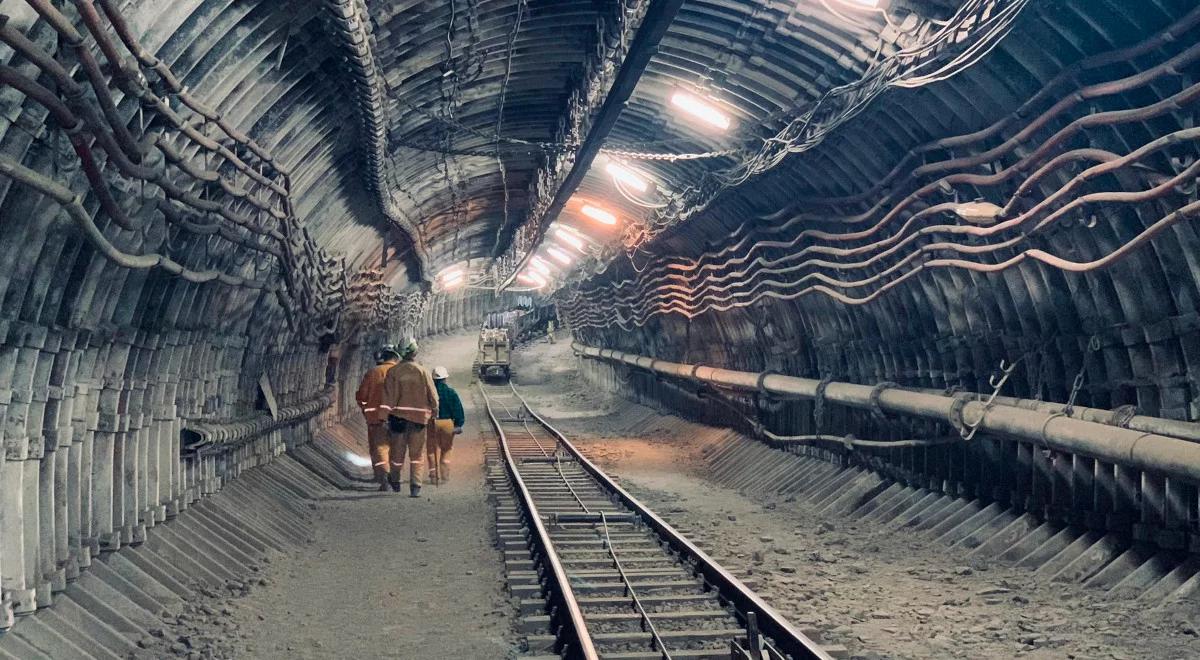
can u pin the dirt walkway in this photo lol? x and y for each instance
(392, 577)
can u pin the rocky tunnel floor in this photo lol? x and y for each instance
(880, 592)
(383, 576)
(387, 576)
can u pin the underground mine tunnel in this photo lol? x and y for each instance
(780, 328)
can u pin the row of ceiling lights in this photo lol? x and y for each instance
(560, 255)
(567, 240)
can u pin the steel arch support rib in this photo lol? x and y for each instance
(350, 20)
(656, 18)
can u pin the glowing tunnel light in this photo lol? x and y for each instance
(540, 266)
(531, 279)
(700, 109)
(628, 177)
(570, 238)
(357, 459)
(870, 4)
(452, 277)
(559, 256)
(598, 214)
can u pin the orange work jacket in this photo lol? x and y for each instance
(409, 393)
(370, 394)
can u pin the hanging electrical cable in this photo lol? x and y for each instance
(980, 24)
(750, 265)
(508, 62)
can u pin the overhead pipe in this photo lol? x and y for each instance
(72, 126)
(44, 61)
(1169, 67)
(1146, 450)
(1188, 95)
(146, 59)
(75, 116)
(688, 300)
(1070, 74)
(137, 88)
(74, 207)
(1185, 213)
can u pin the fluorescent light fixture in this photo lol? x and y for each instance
(558, 255)
(870, 4)
(540, 266)
(628, 177)
(700, 109)
(570, 238)
(452, 276)
(598, 214)
(532, 279)
(356, 459)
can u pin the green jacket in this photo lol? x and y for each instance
(449, 405)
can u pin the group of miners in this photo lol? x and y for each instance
(411, 413)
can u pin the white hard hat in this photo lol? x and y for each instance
(407, 347)
(440, 373)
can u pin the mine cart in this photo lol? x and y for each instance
(493, 360)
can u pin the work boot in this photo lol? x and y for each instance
(396, 486)
(414, 491)
(383, 485)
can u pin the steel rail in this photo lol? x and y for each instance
(786, 638)
(566, 482)
(573, 629)
(629, 591)
(533, 437)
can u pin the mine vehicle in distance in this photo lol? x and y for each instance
(493, 361)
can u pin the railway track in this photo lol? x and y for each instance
(598, 574)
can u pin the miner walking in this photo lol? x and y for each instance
(448, 424)
(370, 401)
(411, 402)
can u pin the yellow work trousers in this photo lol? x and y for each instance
(379, 441)
(412, 443)
(441, 441)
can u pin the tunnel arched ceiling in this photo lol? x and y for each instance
(414, 135)
(848, 257)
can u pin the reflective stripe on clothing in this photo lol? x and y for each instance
(370, 393)
(409, 393)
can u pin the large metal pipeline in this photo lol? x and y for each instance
(1146, 450)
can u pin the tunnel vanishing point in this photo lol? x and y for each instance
(952, 243)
